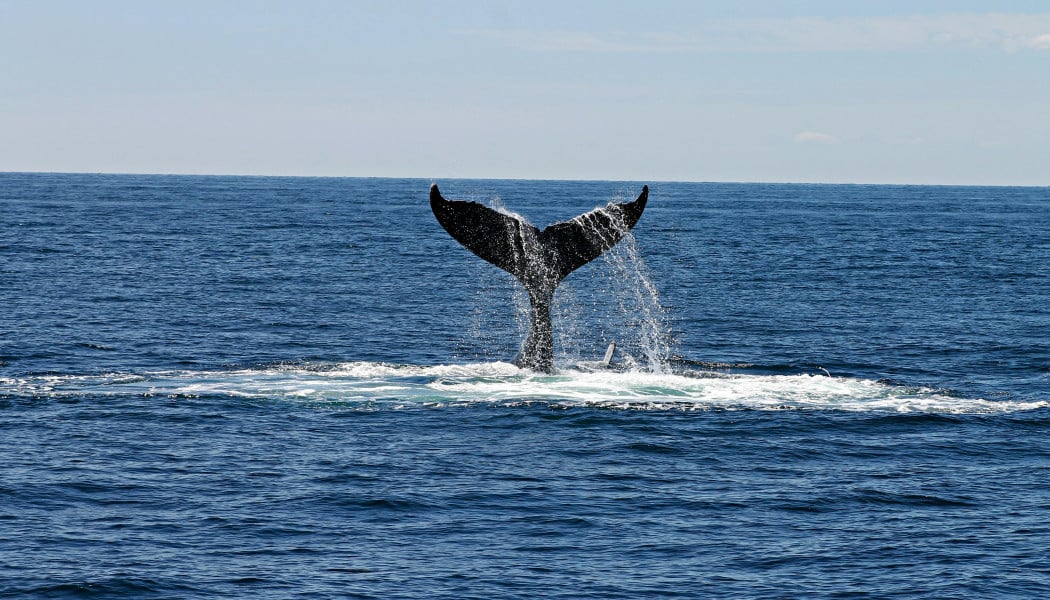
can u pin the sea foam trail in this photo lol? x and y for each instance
(377, 385)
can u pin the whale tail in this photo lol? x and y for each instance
(540, 260)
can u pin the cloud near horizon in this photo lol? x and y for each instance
(1005, 32)
(815, 137)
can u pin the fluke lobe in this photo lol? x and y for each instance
(540, 260)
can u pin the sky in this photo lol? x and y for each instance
(827, 91)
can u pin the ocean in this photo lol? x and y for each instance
(268, 387)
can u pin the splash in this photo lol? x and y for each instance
(634, 317)
(615, 300)
(640, 308)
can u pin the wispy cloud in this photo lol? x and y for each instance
(579, 41)
(1039, 42)
(815, 137)
(1007, 32)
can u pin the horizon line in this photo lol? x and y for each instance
(581, 179)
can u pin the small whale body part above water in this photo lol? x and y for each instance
(540, 260)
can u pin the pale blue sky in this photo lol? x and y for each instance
(819, 91)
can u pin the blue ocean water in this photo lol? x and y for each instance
(294, 387)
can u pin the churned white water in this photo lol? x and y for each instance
(380, 384)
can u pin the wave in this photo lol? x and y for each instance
(373, 385)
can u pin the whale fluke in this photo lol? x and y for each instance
(540, 260)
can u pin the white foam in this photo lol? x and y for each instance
(372, 384)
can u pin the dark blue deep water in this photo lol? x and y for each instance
(290, 387)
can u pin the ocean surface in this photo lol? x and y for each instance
(256, 387)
